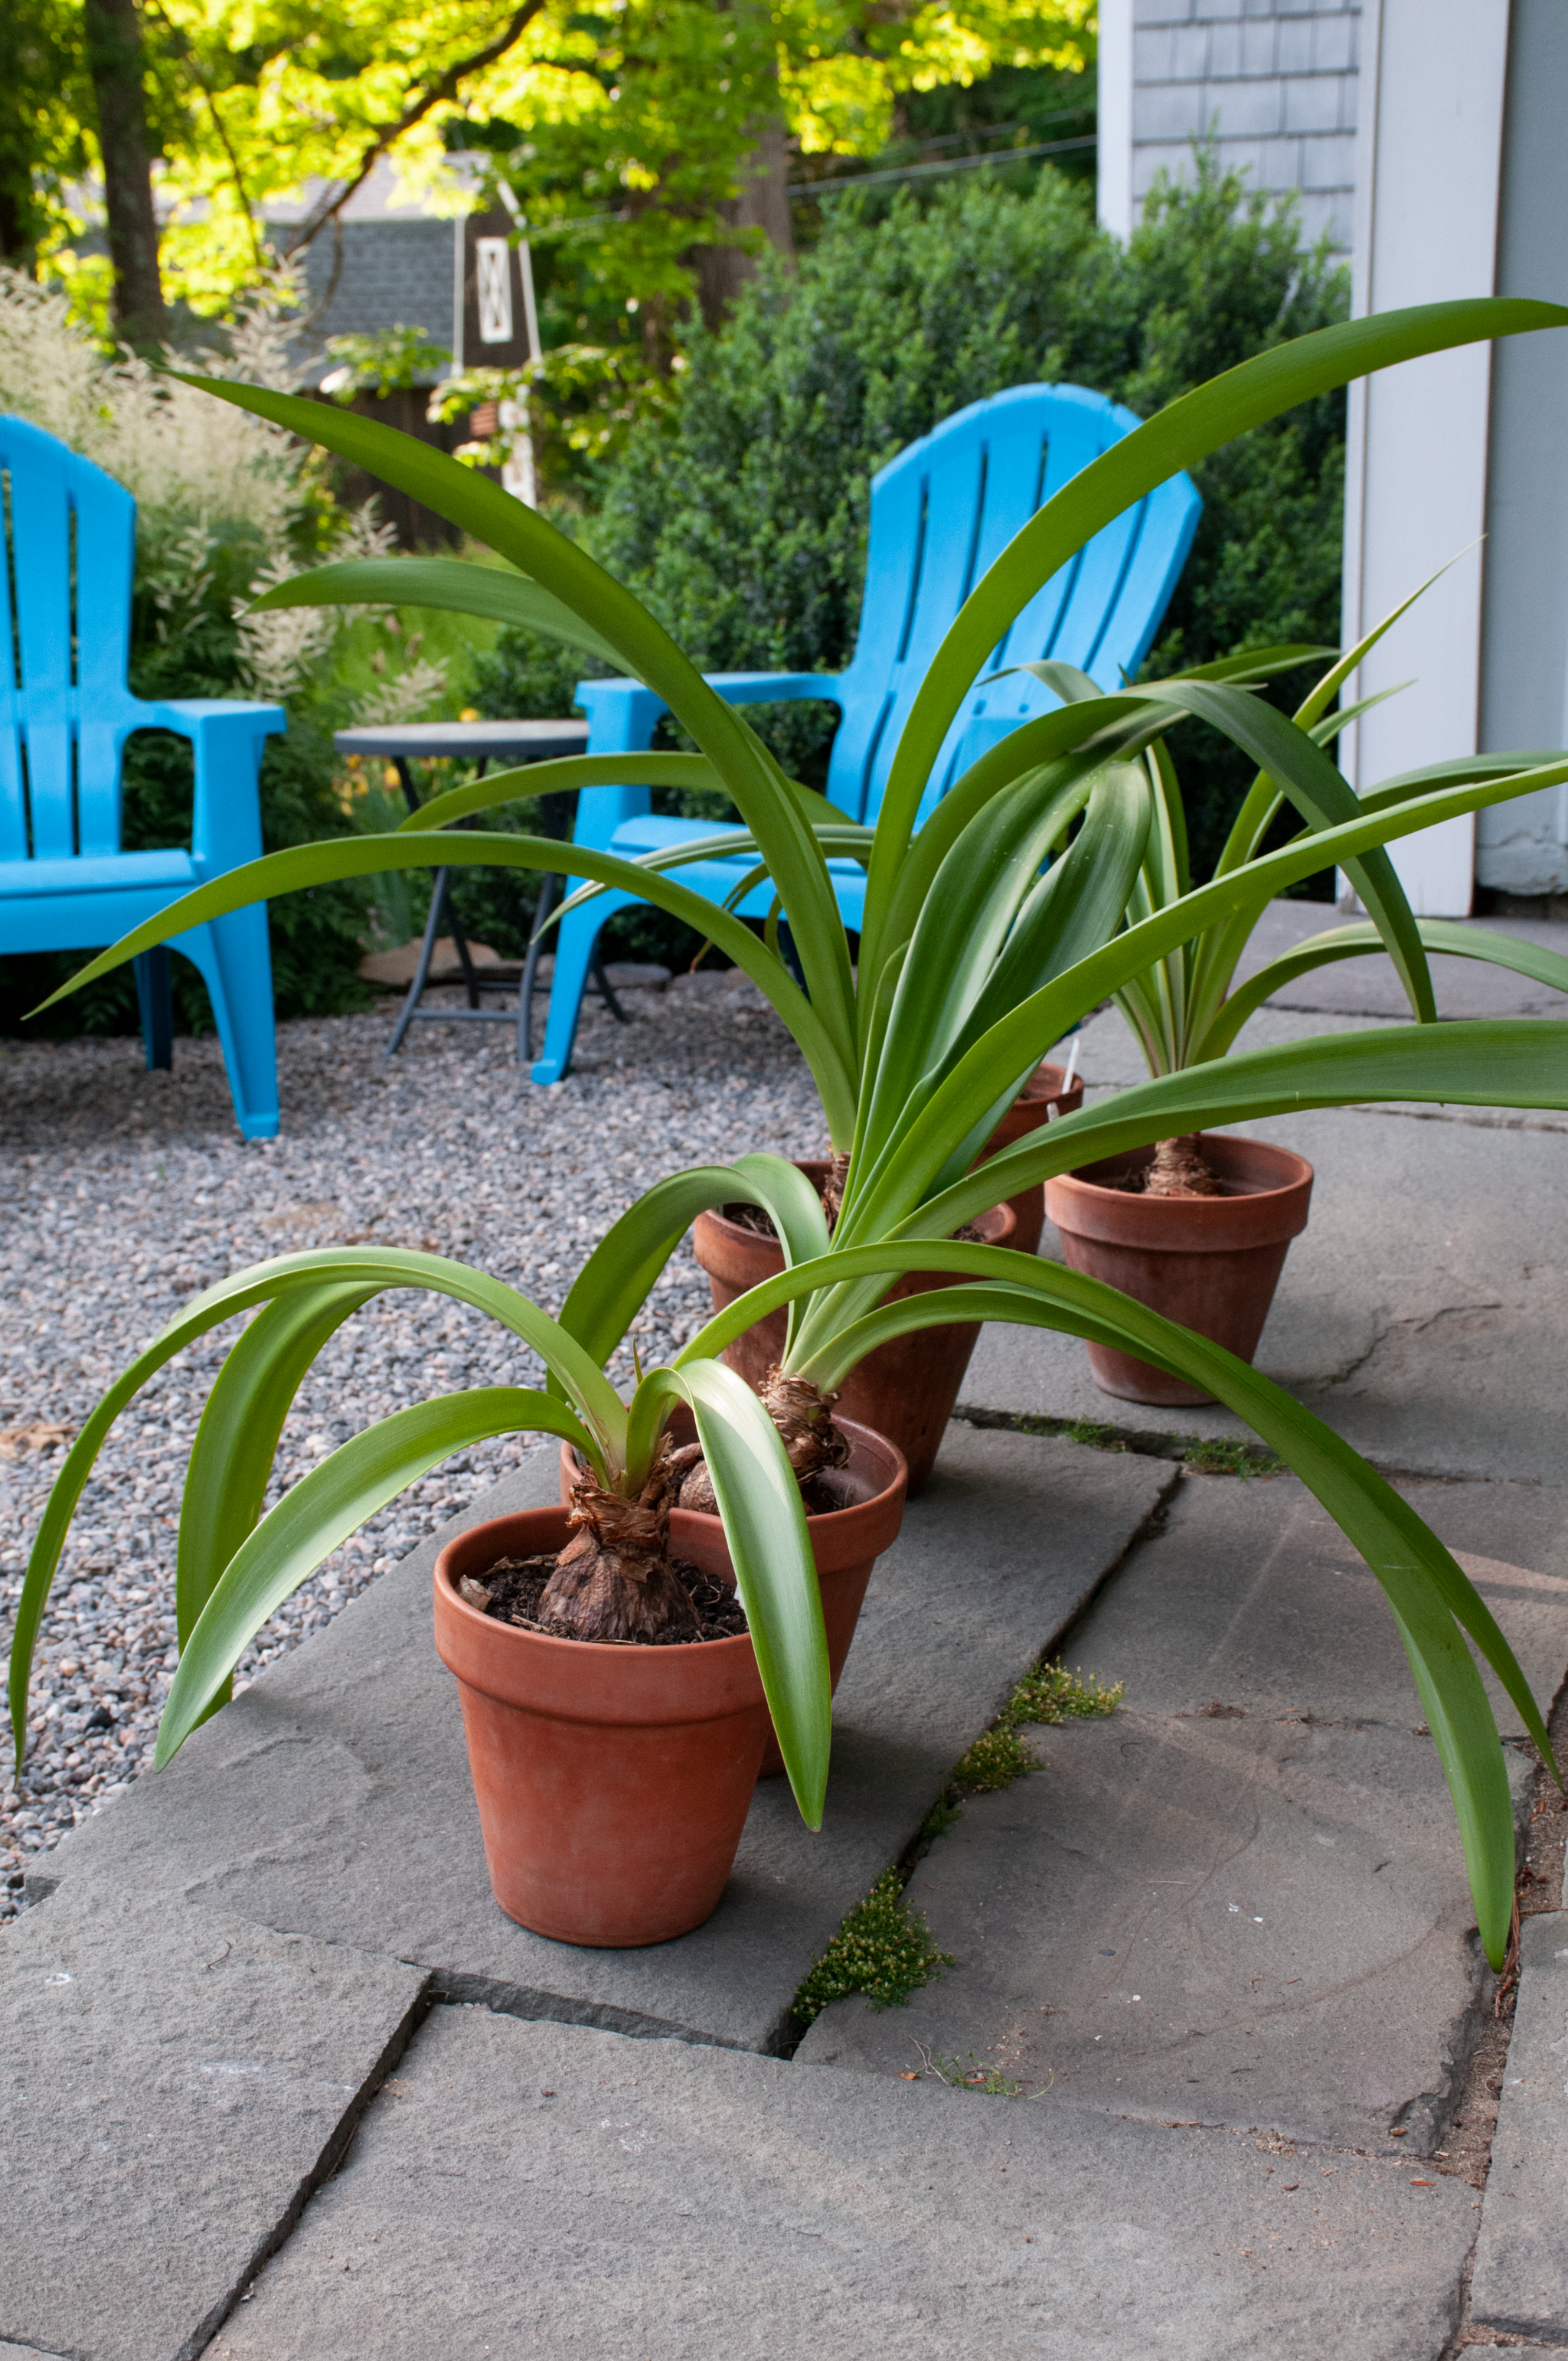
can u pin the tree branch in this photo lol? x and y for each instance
(389, 133)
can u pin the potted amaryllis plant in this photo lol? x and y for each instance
(975, 957)
(1199, 1227)
(621, 1666)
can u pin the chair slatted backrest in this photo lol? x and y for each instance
(940, 515)
(65, 624)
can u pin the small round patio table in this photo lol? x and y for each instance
(480, 743)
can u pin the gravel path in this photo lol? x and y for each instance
(128, 1192)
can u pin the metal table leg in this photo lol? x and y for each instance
(426, 953)
(440, 904)
(546, 903)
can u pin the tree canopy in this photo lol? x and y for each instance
(631, 129)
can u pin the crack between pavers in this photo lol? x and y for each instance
(459, 1988)
(1187, 1449)
(333, 2151)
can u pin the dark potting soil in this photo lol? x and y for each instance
(511, 1589)
(755, 1218)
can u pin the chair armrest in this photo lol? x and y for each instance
(778, 688)
(623, 716)
(227, 737)
(186, 715)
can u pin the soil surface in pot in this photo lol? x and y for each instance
(510, 1590)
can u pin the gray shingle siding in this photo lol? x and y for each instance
(395, 274)
(1275, 82)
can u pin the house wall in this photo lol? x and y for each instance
(395, 273)
(1273, 80)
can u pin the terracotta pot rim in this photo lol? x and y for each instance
(601, 1681)
(1046, 1082)
(816, 1168)
(1246, 1217)
(1215, 1146)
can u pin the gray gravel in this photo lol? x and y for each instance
(128, 1192)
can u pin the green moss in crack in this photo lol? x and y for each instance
(1051, 1694)
(883, 1950)
(997, 1758)
(1229, 1455)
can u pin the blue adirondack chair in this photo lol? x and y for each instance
(940, 513)
(65, 714)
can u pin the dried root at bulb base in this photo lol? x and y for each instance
(1182, 1170)
(833, 1189)
(614, 1579)
(804, 1416)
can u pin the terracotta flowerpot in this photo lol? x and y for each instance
(1031, 1108)
(612, 1782)
(905, 1390)
(845, 1542)
(1212, 1263)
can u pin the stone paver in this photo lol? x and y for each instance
(1251, 1922)
(1251, 1595)
(1521, 2262)
(176, 2081)
(1369, 987)
(540, 2188)
(334, 1795)
(1242, 1899)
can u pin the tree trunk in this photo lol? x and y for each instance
(763, 203)
(15, 247)
(117, 62)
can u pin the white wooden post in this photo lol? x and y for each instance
(1113, 83)
(1428, 162)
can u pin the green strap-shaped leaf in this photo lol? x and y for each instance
(966, 944)
(1017, 1040)
(367, 1269)
(764, 1524)
(565, 776)
(1074, 908)
(1446, 934)
(1324, 798)
(454, 584)
(614, 1283)
(1179, 436)
(1492, 1061)
(236, 1442)
(1519, 1063)
(318, 1514)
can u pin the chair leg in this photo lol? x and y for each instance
(236, 964)
(155, 999)
(576, 941)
